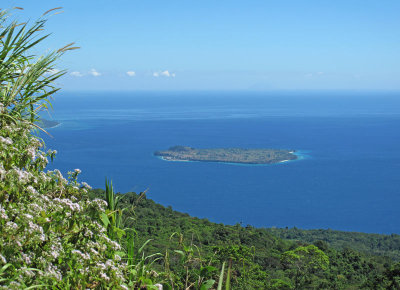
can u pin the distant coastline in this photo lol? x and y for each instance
(227, 155)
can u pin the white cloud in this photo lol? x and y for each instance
(131, 73)
(164, 74)
(94, 72)
(76, 74)
(315, 74)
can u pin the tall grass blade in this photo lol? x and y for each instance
(221, 277)
(228, 276)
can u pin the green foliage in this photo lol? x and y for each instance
(389, 279)
(27, 80)
(255, 256)
(112, 219)
(303, 263)
(372, 244)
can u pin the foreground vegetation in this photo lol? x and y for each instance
(57, 233)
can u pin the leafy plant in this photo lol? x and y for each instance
(112, 219)
(50, 231)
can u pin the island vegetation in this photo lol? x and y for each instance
(228, 155)
(58, 233)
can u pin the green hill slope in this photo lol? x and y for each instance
(355, 259)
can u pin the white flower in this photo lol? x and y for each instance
(100, 204)
(84, 256)
(31, 152)
(6, 141)
(2, 172)
(105, 277)
(77, 171)
(26, 258)
(27, 272)
(11, 226)
(30, 189)
(28, 216)
(94, 252)
(43, 159)
(23, 176)
(52, 271)
(72, 205)
(3, 213)
(36, 143)
(115, 245)
(2, 259)
(36, 208)
(85, 185)
(15, 285)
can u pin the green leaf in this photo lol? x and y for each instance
(147, 282)
(105, 219)
(228, 277)
(179, 252)
(5, 267)
(207, 284)
(120, 233)
(120, 253)
(221, 277)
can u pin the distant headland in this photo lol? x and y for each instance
(227, 155)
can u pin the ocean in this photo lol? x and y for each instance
(346, 179)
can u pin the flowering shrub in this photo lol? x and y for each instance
(51, 233)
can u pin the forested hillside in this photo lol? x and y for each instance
(271, 261)
(373, 244)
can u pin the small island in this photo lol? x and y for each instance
(227, 155)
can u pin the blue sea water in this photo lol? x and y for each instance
(348, 178)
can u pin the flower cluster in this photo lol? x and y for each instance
(50, 231)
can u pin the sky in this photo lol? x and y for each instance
(224, 44)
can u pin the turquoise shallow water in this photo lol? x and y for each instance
(347, 180)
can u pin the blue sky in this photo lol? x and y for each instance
(224, 45)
